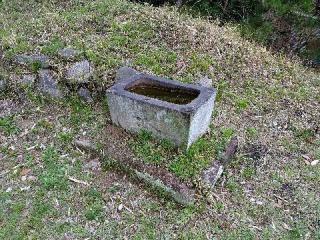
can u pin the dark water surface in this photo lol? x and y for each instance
(173, 95)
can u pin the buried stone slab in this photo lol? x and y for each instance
(211, 175)
(159, 180)
(168, 109)
(117, 156)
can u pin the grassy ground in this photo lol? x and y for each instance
(271, 190)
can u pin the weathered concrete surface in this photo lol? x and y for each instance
(181, 124)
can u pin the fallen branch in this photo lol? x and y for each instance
(78, 181)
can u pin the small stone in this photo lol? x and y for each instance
(124, 73)
(84, 93)
(85, 144)
(23, 178)
(32, 178)
(255, 201)
(9, 189)
(27, 80)
(120, 207)
(68, 53)
(25, 59)
(3, 85)
(315, 162)
(93, 165)
(49, 85)
(25, 188)
(205, 81)
(80, 72)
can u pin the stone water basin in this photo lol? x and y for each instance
(168, 109)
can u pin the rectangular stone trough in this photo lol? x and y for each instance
(168, 109)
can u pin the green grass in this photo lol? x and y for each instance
(8, 125)
(185, 164)
(53, 175)
(53, 47)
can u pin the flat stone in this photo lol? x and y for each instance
(25, 59)
(181, 123)
(48, 84)
(125, 72)
(85, 145)
(212, 174)
(68, 53)
(80, 72)
(93, 165)
(3, 85)
(205, 81)
(27, 80)
(84, 93)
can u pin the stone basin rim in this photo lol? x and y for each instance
(205, 93)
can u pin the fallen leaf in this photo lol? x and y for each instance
(25, 171)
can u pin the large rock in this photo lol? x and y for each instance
(48, 84)
(68, 53)
(25, 59)
(80, 72)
